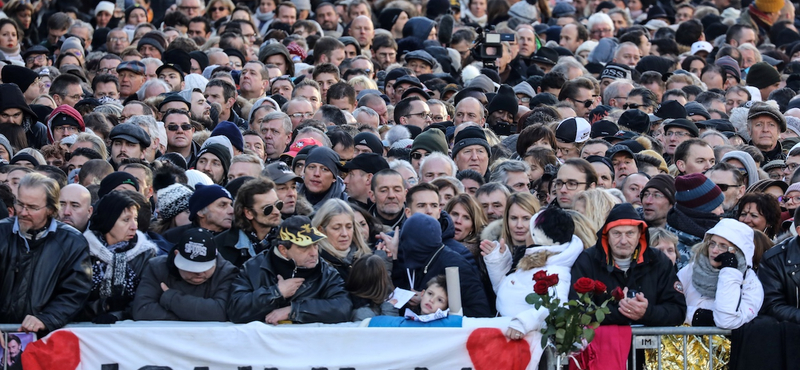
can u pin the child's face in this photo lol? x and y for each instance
(434, 298)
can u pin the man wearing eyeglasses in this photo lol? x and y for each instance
(66, 89)
(582, 93)
(35, 242)
(677, 131)
(36, 57)
(192, 8)
(412, 111)
(574, 176)
(257, 215)
(64, 121)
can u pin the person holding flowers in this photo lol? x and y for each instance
(622, 258)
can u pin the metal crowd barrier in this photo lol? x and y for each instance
(650, 338)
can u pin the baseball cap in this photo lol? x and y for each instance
(298, 145)
(197, 251)
(280, 173)
(298, 230)
(670, 109)
(603, 128)
(701, 46)
(573, 130)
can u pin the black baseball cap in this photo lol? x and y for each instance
(299, 230)
(603, 128)
(197, 251)
(670, 109)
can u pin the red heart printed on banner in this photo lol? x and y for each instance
(489, 349)
(61, 352)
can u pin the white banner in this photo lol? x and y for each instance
(479, 345)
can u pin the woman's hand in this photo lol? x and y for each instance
(514, 334)
(390, 243)
(487, 247)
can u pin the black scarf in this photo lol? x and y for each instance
(690, 221)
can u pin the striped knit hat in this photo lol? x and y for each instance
(697, 193)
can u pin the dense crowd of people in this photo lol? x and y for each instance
(297, 161)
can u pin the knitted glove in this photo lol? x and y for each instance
(727, 259)
(703, 317)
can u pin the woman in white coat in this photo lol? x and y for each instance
(720, 285)
(554, 249)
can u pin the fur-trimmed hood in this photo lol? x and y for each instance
(493, 231)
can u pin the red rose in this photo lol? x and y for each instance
(599, 287)
(540, 287)
(583, 285)
(539, 275)
(552, 280)
(617, 294)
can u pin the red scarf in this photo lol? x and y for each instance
(759, 16)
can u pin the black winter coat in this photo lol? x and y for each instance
(778, 275)
(51, 282)
(652, 273)
(321, 299)
(182, 301)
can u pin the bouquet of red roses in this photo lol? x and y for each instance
(570, 326)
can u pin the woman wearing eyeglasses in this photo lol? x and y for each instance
(345, 244)
(119, 254)
(720, 285)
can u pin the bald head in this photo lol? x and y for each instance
(76, 206)
(469, 110)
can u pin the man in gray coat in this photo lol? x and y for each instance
(190, 284)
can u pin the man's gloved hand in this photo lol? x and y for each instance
(727, 259)
(105, 318)
(703, 317)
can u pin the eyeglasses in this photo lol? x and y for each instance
(422, 115)
(117, 39)
(678, 134)
(29, 208)
(794, 200)
(233, 64)
(632, 106)
(218, 8)
(107, 71)
(657, 195)
(725, 248)
(188, 8)
(184, 127)
(571, 184)
(38, 58)
(586, 103)
(599, 32)
(524, 99)
(418, 155)
(301, 115)
(725, 187)
(269, 208)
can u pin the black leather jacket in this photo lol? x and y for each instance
(779, 276)
(51, 281)
(254, 294)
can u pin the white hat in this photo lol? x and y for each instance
(104, 6)
(194, 177)
(701, 45)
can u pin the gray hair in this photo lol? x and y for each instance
(50, 187)
(501, 170)
(202, 3)
(109, 108)
(491, 187)
(399, 163)
(148, 123)
(82, 24)
(712, 132)
(566, 63)
(438, 156)
(622, 45)
(154, 61)
(600, 18)
(308, 129)
(273, 116)
(612, 90)
(365, 109)
(140, 93)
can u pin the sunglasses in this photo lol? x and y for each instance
(218, 9)
(184, 127)
(268, 209)
(586, 103)
(632, 106)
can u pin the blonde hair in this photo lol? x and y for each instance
(658, 233)
(583, 228)
(527, 202)
(365, 82)
(332, 208)
(598, 205)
